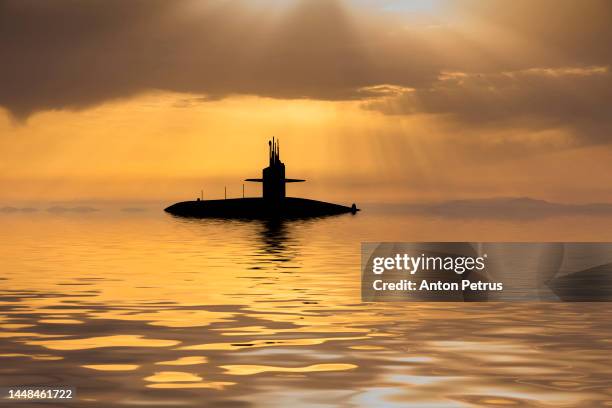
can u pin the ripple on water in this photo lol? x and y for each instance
(47, 357)
(161, 289)
(267, 343)
(179, 379)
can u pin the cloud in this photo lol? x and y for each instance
(66, 54)
(577, 98)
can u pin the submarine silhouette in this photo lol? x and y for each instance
(272, 204)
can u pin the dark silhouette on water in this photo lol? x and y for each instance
(273, 203)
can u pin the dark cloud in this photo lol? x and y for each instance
(553, 32)
(71, 54)
(577, 98)
(68, 54)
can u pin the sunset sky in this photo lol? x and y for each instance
(372, 100)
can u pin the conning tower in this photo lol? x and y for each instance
(273, 176)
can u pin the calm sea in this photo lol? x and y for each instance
(139, 308)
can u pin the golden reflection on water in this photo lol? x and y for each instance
(111, 367)
(167, 318)
(14, 326)
(125, 302)
(60, 321)
(256, 369)
(8, 334)
(33, 356)
(104, 341)
(367, 348)
(191, 360)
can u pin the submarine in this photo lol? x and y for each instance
(272, 204)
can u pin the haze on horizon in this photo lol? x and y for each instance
(372, 100)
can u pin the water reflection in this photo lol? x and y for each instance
(276, 240)
(160, 311)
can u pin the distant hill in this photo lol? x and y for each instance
(79, 209)
(508, 207)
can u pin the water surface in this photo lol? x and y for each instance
(139, 308)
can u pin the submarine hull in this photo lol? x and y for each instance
(288, 207)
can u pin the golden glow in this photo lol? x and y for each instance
(145, 148)
(395, 101)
